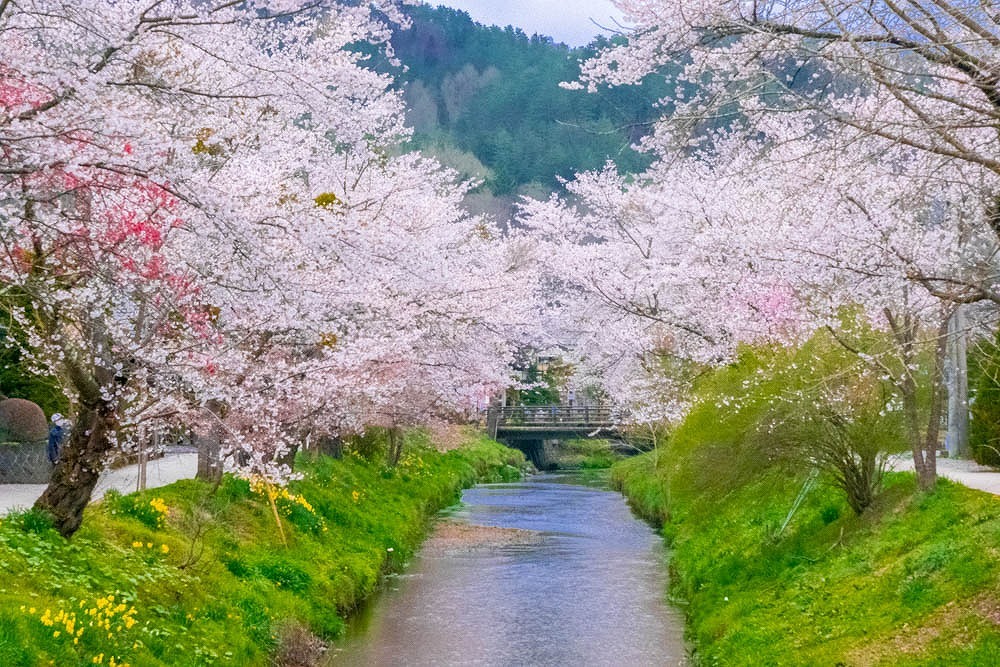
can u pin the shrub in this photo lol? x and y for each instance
(846, 430)
(285, 574)
(984, 383)
(233, 488)
(370, 445)
(32, 521)
(298, 646)
(786, 410)
(22, 421)
(256, 621)
(238, 567)
(829, 514)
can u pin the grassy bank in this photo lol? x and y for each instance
(583, 455)
(188, 575)
(773, 568)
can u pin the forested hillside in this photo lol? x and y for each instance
(487, 100)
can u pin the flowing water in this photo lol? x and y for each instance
(566, 576)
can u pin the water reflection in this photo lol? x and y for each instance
(586, 588)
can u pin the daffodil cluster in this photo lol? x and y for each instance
(138, 544)
(160, 507)
(104, 622)
(152, 514)
(294, 506)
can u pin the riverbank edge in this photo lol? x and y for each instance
(213, 579)
(914, 581)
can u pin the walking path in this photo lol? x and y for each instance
(159, 472)
(184, 465)
(963, 471)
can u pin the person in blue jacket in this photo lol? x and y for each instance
(57, 432)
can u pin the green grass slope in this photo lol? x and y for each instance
(915, 581)
(188, 575)
(773, 568)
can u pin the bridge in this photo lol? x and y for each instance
(527, 427)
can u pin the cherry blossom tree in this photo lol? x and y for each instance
(815, 155)
(920, 74)
(204, 218)
(764, 241)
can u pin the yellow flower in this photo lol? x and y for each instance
(356, 496)
(165, 549)
(137, 544)
(158, 505)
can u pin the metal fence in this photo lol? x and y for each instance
(555, 416)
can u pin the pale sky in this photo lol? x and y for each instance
(566, 21)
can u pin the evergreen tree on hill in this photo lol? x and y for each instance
(494, 93)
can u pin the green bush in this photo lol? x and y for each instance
(303, 518)
(984, 394)
(371, 445)
(234, 488)
(284, 573)
(32, 521)
(829, 514)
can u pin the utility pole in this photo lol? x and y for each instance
(957, 440)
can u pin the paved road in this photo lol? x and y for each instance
(963, 471)
(160, 472)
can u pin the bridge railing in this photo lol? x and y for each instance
(554, 416)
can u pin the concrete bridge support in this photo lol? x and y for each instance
(534, 450)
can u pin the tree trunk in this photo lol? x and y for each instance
(288, 458)
(80, 464)
(395, 446)
(924, 445)
(210, 446)
(209, 457)
(927, 475)
(330, 445)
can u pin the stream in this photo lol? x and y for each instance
(552, 570)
